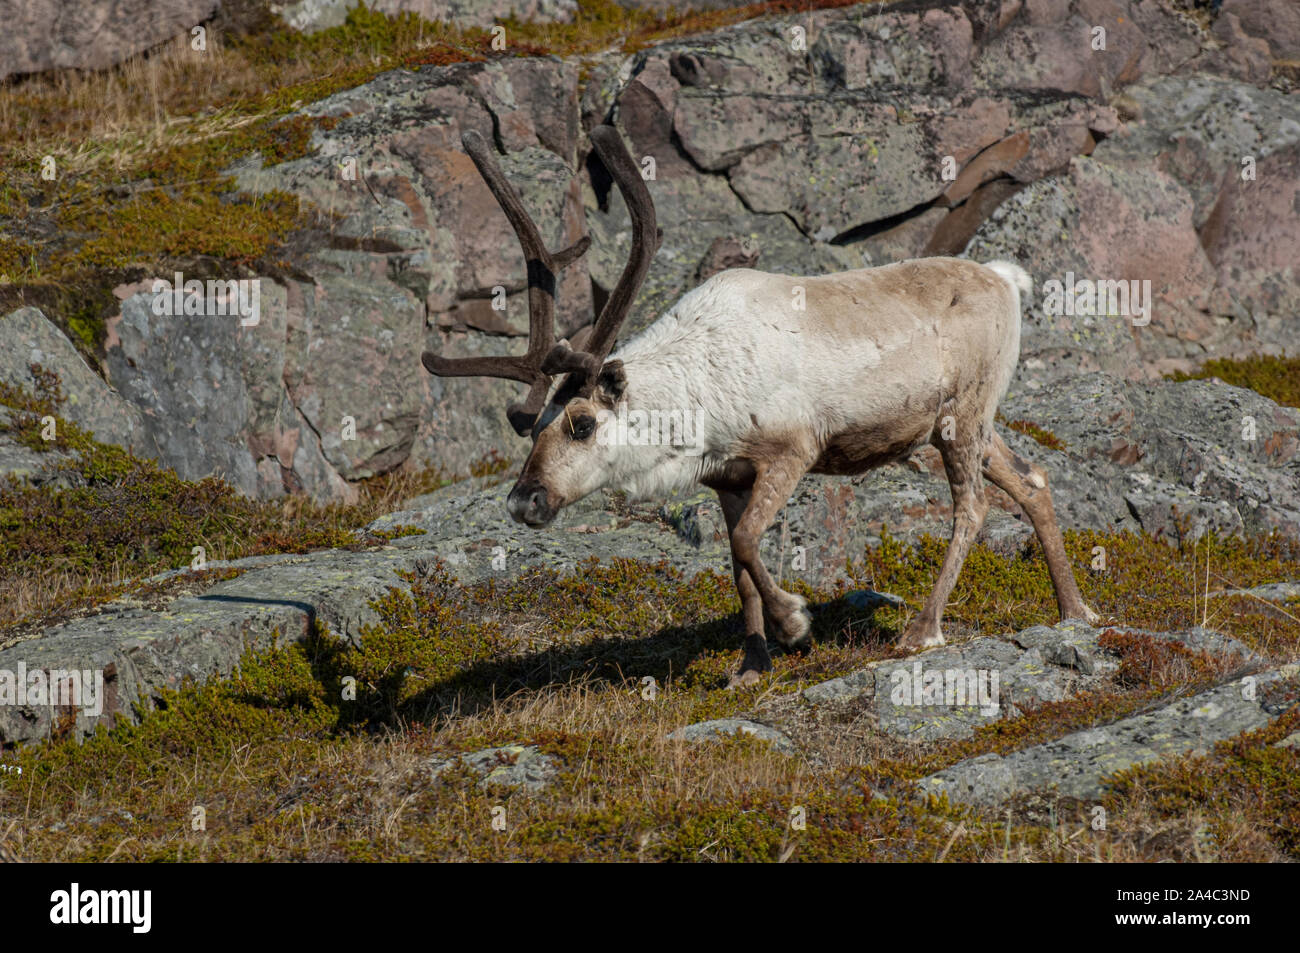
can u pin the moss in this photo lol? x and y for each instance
(275, 140)
(491, 464)
(1031, 429)
(158, 226)
(18, 260)
(44, 399)
(79, 302)
(1276, 377)
(1156, 663)
(397, 532)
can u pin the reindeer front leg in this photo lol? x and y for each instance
(748, 516)
(756, 660)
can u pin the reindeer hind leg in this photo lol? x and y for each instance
(1026, 483)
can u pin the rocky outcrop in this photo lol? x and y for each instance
(311, 16)
(1077, 765)
(1192, 194)
(806, 144)
(1169, 460)
(326, 387)
(27, 339)
(721, 728)
(45, 35)
(1276, 22)
(1178, 457)
(216, 396)
(506, 766)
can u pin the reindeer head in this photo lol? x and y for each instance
(567, 460)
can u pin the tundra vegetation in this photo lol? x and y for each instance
(286, 769)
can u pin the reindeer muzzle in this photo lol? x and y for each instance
(529, 503)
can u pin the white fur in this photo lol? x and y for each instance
(736, 347)
(1013, 273)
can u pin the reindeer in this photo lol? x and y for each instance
(877, 363)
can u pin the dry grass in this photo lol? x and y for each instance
(115, 118)
(287, 771)
(57, 591)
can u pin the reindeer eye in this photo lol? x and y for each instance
(583, 427)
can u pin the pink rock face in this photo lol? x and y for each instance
(899, 46)
(1067, 55)
(1247, 56)
(650, 100)
(1252, 236)
(964, 133)
(1148, 234)
(992, 162)
(43, 35)
(1275, 21)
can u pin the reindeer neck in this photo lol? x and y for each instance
(660, 429)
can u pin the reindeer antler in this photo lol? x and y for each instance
(645, 242)
(544, 358)
(542, 267)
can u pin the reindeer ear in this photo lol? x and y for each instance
(612, 379)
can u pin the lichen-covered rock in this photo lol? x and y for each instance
(509, 766)
(721, 728)
(213, 397)
(948, 692)
(1077, 765)
(45, 35)
(1175, 197)
(311, 16)
(420, 252)
(27, 337)
(1172, 457)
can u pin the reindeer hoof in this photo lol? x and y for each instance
(756, 662)
(1080, 610)
(917, 638)
(745, 679)
(792, 630)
